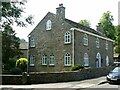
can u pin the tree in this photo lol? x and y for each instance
(10, 47)
(11, 15)
(107, 25)
(85, 22)
(117, 41)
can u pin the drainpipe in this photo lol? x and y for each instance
(73, 46)
(28, 55)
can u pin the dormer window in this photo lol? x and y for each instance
(48, 25)
(67, 37)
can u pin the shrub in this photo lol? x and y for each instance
(22, 63)
(77, 67)
(16, 71)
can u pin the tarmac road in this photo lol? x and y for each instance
(89, 84)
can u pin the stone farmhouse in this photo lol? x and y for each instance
(56, 44)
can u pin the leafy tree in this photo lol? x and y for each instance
(10, 46)
(117, 41)
(85, 22)
(11, 15)
(107, 25)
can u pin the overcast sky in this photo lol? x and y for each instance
(76, 10)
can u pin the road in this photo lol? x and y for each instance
(90, 84)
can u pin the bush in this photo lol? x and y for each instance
(9, 65)
(22, 64)
(77, 67)
(16, 71)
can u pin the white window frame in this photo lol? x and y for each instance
(106, 45)
(97, 43)
(52, 60)
(44, 60)
(32, 60)
(107, 61)
(32, 42)
(67, 37)
(86, 59)
(85, 39)
(98, 60)
(67, 59)
(48, 25)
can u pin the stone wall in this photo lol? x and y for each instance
(11, 79)
(69, 76)
(39, 77)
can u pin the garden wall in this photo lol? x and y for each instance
(39, 77)
(11, 79)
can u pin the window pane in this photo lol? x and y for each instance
(52, 59)
(67, 37)
(67, 59)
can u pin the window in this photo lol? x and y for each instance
(86, 60)
(32, 42)
(85, 39)
(97, 43)
(51, 59)
(32, 60)
(48, 25)
(106, 45)
(67, 37)
(44, 60)
(98, 60)
(67, 60)
(107, 61)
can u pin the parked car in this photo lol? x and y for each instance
(114, 75)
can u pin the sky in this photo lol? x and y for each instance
(75, 10)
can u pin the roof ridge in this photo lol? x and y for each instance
(77, 25)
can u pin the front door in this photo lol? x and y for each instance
(98, 60)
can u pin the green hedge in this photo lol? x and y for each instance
(77, 67)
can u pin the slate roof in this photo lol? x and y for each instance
(23, 45)
(77, 25)
(74, 24)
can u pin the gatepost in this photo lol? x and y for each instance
(24, 77)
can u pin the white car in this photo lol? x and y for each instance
(114, 75)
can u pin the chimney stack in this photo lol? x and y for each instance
(60, 11)
(99, 28)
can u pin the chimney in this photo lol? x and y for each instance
(99, 28)
(60, 11)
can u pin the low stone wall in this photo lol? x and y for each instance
(11, 79)
(39, 77)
